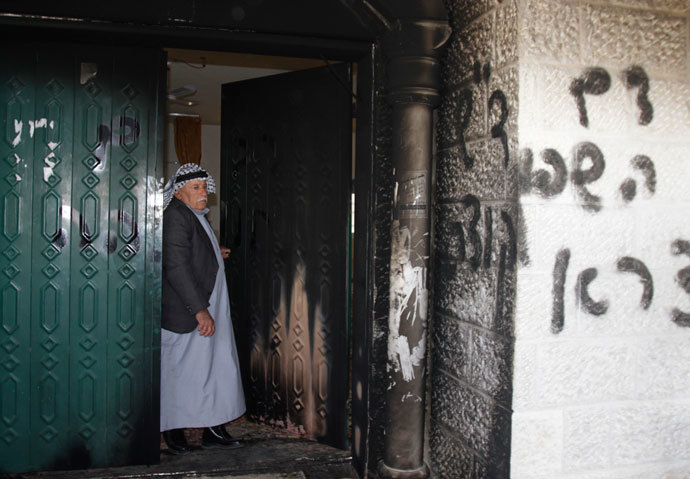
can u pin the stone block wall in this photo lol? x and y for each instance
(561, 326)
(601, 382)
(476, 244)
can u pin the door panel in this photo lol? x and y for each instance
(286, 167)
(78, 386)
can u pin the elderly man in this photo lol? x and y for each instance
(200, 376)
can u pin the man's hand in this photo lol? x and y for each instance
(206, 325)
(224, 252)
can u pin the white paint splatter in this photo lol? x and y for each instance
(51, 125)
(405, 281)
(42, 123)
(47, 160)
(409, 395)
(52, 145)
(48, 169)
(18, 125)
(18, 159)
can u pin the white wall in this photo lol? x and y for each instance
(608, 396)
(210, 160)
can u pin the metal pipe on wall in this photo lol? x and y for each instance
(413, 91)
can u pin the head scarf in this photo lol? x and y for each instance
(183, 175)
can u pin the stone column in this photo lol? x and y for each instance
(413, 82)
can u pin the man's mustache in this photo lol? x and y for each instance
(202, 199)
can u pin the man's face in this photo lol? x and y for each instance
(194, 194)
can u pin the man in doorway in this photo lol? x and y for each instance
(200, 376)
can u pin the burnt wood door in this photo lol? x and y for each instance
(286, 170)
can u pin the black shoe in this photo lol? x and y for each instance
(218, 436)
(176, 442)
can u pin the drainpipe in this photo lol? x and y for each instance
(413, 82)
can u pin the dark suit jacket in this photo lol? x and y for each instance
(189, 268)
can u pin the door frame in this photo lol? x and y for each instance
(365, 54)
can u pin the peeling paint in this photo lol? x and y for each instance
(406, 281)
(52, 145)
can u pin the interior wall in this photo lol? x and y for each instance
(602, 356)
(210, 160)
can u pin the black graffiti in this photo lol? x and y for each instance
(545, 184)
(594, 81)
(560, 269)
(488, 235)
(681, 247)
(468, 234)
(474, 237)
(625, 264)
(498, 130)
(466, 107)
(580, 177)
(636, 77)
(477, 72)
(550, 184)
(456, 230)
(123, 130)
(523, 249)
(465, 111)
(585, 301)
(629, 187)
(628, 190)
(597, 81)
(512, 240)
(628, 264)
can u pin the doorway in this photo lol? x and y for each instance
(282, 206)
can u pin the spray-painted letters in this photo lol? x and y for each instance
(597, 81)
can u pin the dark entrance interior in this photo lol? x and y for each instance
(284, 207)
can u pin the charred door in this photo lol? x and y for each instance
(286, 168)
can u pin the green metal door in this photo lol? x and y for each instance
(80, 207)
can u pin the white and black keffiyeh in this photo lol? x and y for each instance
(184, 174)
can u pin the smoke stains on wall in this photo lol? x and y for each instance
(476, 245)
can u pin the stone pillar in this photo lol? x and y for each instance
(413, 91)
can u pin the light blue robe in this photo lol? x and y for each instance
(201, 384)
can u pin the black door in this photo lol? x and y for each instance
(286, 171)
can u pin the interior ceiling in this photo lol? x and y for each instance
(207, 71)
